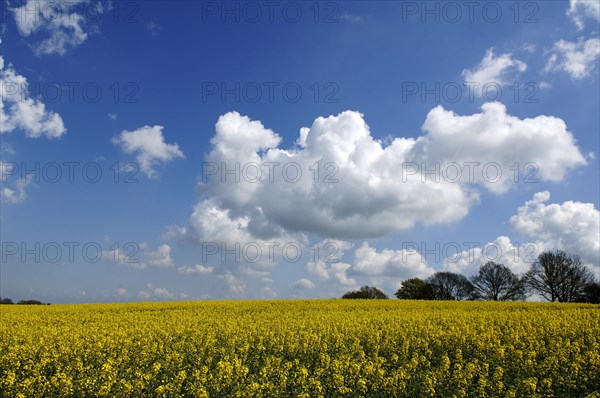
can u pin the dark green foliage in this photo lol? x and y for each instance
(415, 289)
(365, 292)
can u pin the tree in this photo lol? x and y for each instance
(30, 302)
(365, 292)
(450, 286)
(591, 293)
(558, 276)
(6, 301)
(497, 282)
(414, 289)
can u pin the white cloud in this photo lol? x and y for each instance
(571, 226)
(401, 264)
(17, 194)
(494, 136)
(370, 196)
(160, 258)
(515, 256)
(303, 284)
(578, 59)
(129, 255)
(582, 9)
(152, 292)
(366, 200)
(20, 112)
(65, 22)
(148, 143)
(234, 285)
(125, 256)
(6, 148)
(493, 69)
(112, 116)
(197, 269)
(386, 269)
(528, 48)
(336, 273)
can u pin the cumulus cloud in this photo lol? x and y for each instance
(544, 144)
(148, 143)
(303, 284)
(362, 190)
(129, 255)
(66, 23)
(401, 264)
(386, 268)
(160, 258)
(335, 273)
(517, 257)
(17, 193)
(571, 226)
(579, 10)
(151, 292)
(345, 184)
(235, 286)
(197, 269)
(578, 59)
(358, 192)
(493, 70)
(20, 112)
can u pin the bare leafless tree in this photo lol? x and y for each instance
(450, 286)
(497, 282)
(558, 276)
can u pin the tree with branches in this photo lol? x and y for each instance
(414, 289)
(365, 292)
(498, 283)
(450, 286)
(558, 276)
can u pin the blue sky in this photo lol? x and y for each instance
(153, 93)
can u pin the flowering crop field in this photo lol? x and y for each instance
(314, 348)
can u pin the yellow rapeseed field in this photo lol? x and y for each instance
(313, 348)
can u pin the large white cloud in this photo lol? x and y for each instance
(571, 226)
(18, 111)
(493, 70)
(148, 143)
(364, 189)
(495, 137)
(358, 192)
(66, 23)
(578, 58)
(579, 10)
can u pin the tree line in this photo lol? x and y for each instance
(22, 302)
(555, 275)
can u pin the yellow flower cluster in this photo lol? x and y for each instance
(313, 348)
